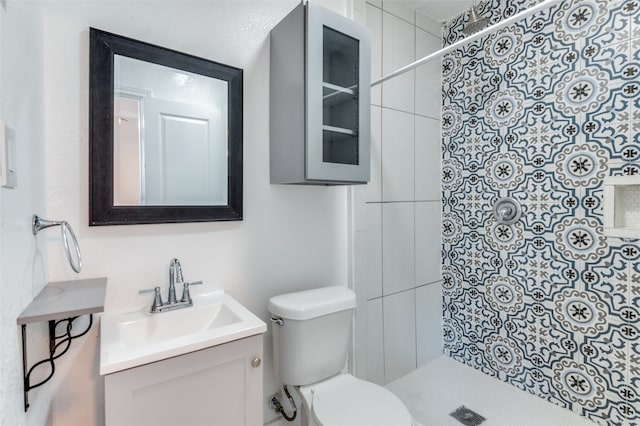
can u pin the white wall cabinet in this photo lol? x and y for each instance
(320, 88)
(220, 386)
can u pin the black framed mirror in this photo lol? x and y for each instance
(165, 136)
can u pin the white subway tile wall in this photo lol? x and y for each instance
(401, 205)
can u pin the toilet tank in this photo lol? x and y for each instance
(313, 341)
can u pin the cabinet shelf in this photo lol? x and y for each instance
(333, 95)
(332, 89)
(339, 130)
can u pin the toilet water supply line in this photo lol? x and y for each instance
(277, 406)
(442, 52)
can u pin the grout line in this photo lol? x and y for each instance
(407, 112)
(429, 116)
(374, 5)
(415, 138)
(415, 323)
(415, 80)
(382, 91)
(404, 201)
(429, 283)
(429, 33)
(438, 36)
(381, 228)
(382, 55)
(393, 14)
(404, 291)
(396, 109)
(384, 355)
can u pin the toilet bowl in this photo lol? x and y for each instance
(344, 400)
(311, 339)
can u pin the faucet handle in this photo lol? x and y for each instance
(186, 296)
(157, 299)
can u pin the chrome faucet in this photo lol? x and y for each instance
(175, 277)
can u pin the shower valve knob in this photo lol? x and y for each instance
(507, 210)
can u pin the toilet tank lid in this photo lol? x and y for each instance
(307, 304)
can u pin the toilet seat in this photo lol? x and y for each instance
(344, 400)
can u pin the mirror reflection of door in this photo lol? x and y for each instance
(182, 162)
(170, 136)
(127, 174)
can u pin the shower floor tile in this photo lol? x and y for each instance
(438, 388)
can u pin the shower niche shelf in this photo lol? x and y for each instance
(622, 207)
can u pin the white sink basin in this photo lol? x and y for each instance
(130, 339)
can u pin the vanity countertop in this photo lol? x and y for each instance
(133, 338)
(65, 299)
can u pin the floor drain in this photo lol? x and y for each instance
(467, 417)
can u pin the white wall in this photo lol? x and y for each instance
(291, 238)
(22, 271)
(396, 217)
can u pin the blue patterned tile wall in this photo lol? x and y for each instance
(543, 111)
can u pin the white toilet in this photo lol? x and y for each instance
(311, 338)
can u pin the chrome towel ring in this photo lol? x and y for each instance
(38, 224)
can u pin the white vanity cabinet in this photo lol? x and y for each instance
(320, 88)
(220, 386)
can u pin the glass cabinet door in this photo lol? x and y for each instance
(338, 87)
(339, 97)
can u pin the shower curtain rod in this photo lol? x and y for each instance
(497, 26)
